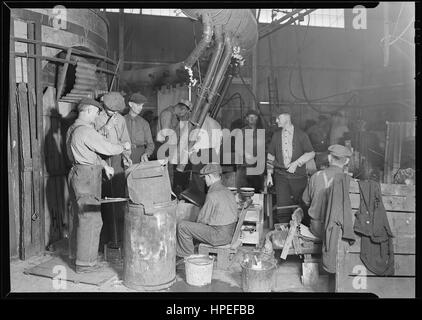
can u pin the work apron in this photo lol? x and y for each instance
(136, 153)
(85, 192)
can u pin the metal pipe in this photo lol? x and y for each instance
(218, 51)
(222, 68)
(202, 45)
(228, 51)
(226, 84)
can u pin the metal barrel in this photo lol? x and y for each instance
(150, 246)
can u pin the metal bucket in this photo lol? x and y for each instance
(258, 280)
(150, 247)
(199, 269)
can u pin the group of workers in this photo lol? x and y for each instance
(101, 139)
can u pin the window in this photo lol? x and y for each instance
(332, 18)
(132, 11)
(164, 12)
(111, 10)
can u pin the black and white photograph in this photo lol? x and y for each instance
(231, 149)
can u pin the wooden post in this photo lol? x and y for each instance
(121, 39)
(63, 75)
(386, 34)
(255, 70)
(40, 127)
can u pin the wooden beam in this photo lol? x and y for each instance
(63, 75)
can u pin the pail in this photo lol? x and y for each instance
(258, 280)
(199, 269)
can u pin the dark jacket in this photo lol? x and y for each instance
(338, 217)
(376, 250)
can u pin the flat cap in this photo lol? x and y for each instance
(251, 111)
(187, 103)
(138, 98)
(339, 151)
(89, 102)
(210, 168)
(114, 101)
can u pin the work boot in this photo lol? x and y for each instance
(88, 269)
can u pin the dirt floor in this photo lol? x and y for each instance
(287, 278)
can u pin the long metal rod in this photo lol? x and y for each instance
(289, 22)
(26, 55)
(56, 46)
(277, 22)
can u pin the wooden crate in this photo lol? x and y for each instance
(352, 275)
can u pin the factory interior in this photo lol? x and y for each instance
(213, 150)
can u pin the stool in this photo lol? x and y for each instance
(224, 254)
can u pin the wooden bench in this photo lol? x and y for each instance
(352, 275)
(225, 254)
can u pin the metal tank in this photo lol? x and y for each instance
(149, 240)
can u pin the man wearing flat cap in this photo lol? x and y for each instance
(168, 130)
(314, 195)
(84, 146)
(248, 158)
(112, 125)
(139, 130)
(216, 220)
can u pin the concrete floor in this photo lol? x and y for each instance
(287, 278)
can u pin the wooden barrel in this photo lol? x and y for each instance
(150, 247)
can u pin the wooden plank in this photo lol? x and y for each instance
(239, 226)
(14, 205)
(40, 131)
(404, 265)
(383, 287)
(25, 173)
(387, 189)
(63, 75)
(401, 223)
(391, 203)
(401, 245)
(36, 183)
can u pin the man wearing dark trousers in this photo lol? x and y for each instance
(217, 219)
(84, 147)
(288, 152)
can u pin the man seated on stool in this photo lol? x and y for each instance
(314, 194)
(216, 220)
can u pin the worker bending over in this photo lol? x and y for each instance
(217, 218)
(84, 146)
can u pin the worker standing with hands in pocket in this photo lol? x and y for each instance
(288, 153)
(139, 130)
(84, 147)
